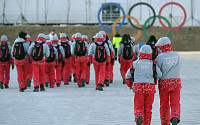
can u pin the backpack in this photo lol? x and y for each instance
(100, 55)
(19, 52)
(128, 51)
(66, 48)
(60, 57)
(4, 54)
(80, 49)
(37, 53)
(52, 55)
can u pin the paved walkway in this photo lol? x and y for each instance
(71, 105)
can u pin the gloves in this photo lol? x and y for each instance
(63, 63)
(107, 64)
(13, 67)
(88, 63)
(112, 60)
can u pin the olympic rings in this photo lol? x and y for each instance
(173, 28)
(142, 3)
(127, 16)
(144, 27)
(108, 4)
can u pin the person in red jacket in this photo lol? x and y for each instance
(79, 50)
(29, 65)
(99, 56)
(73, 63)
(6, 60)
(126, 55)
(66, 44)
(20, 54)
(38, 54)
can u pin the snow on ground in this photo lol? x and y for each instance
(71, 105)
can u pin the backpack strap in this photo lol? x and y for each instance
(154, 72)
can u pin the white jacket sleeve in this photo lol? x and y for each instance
(107, 49)
(10, 51)
(72, 48)
(62, 51)
(46, 50)
(55, 52)
(91, 49)
(158, 71)
(31, 48)
(119, 49)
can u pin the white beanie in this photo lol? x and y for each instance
(78, 35)
(84, 37)
(47, 37)
(4, 38)
(41, 35)
(102, 32)
(63, 35)
(28, 36)
(146, 49)
(133, 39)
(99, 35)
(163, 41)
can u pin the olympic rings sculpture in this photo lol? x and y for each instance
(138, 27)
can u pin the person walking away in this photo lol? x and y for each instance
(116, 40)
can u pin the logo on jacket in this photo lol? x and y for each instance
(171, 60)
(144, 65)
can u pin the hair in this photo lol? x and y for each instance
(151, 39)
(117, 35)
(22, 35)
(126, 37)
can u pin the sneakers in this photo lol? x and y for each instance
(36, 89)
(46, 84)
(174, 121)
(100, 88)
(74, 78)
(124, 82)
(1, 85)
(66, 83)
(6, 86)
(139, 120)
(21, 90)
(58, 85)
(42, 88)
(83, 82)
(106, 83)
(29, 83)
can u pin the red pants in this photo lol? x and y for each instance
(99, 74)
(50, 74)
(58, 73)
(73, 66)
(29, 71)
(169, 99)
(87, 79)
(124, 68)
(108, 72)
(143, 106)
(111, 71)
(81, 68)
(22, 75)
(5, 74)
(38, 74)
(66, 72)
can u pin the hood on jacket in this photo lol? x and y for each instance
(99, 37)
(164, 44)
(145, 52)
(4, 39)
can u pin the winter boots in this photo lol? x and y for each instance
(106, 82)
(42, 88)
(29, 83)
(1, 85)
(139, 120)
(21, 90)
(83, 82)
(36, 89)
(174, 121)
(74, 78)
(100, 87)
(46, 84)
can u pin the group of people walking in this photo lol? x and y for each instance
(49, 60)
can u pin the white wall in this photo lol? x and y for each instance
(57, 10)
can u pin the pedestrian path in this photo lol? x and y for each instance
(70, 105)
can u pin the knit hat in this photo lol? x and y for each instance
(164, 44)
(85, 38)
(54, 39)
(145, 52)
(28, 38)
(63, 37)
(99, 37)
(4, 39)
(41, 37)
(104, 34)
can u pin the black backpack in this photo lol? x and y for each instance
(128, 51)
(80, 49)
(4, 54)
(66, 48)
(100, 55)
(52, 55)
(60, 57)
(19, 52)
(37, 53)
